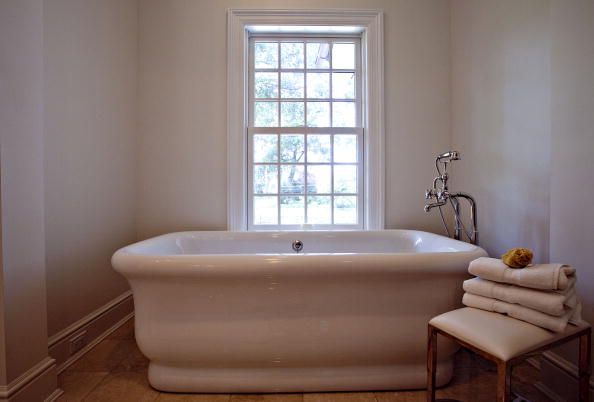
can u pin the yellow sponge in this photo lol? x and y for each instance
(517, 257)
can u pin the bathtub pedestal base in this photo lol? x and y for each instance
(307, 379)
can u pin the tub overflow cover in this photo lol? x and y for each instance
(297, 246)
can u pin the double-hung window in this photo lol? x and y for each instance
(305, 133)
(305, 119)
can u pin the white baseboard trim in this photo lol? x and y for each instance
(33, 384)
(72, 359)
(56, 394)
(75, 327)
(559, 378)
(552, 361)
(564, 365)
(92, 329)
(6, 391)
(552, 395)
(534, 362)
(39, 383)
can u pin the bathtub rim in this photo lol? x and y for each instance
(130, 249)
(135, 265)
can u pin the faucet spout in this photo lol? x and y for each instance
(429, 207)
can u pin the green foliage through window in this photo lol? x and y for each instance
(297, 176)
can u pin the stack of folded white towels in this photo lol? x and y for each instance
(541, 294)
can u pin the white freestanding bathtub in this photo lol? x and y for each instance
(242, 312)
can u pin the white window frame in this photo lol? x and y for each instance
(238, 102)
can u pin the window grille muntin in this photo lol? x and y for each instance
(306, 131)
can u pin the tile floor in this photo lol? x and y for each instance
(115, 371)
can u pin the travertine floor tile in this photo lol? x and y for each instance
(124, 386)
(479, 385)
(400, 396)
(339, 397)
(166, 397)
(266, 398)
(76, 384)
(134, 360)
(116, 370)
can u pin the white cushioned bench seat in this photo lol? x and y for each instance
(496, 334)
(505, 341)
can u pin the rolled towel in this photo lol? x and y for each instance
(539, 276)
(550, 302)
(555, 324)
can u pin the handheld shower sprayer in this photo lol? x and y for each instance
(442, 196)
(449, 156)
(445, 159)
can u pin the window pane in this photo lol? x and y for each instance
(318, 55)
(266, 85)
(292, 210)
(299, 178)
(265, 149)
(343, 114)
(345, 210)
(345, 148)
(345, 179)
(318, 85)
(343, 55)
(343, 85)
(291, 55)
(292, 148)
(292, 85)
(266, 114)
(266, 55)
(265, 210)
(318, 114)
(292, 180)
(318, 148)
(292, 114)
(265, 179)
(319, 210)
(319, 178)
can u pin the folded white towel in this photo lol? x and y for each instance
(555, 324)
(540, 276)
(550, 302)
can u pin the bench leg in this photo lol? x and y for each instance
(584, 366)
(431, 362)
(503, 382)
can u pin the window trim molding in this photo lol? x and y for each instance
(373, 114)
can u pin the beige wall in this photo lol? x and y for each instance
(523, 114)
(572, 145)
(90, 151)
(182, 108)
(500, 108)
(22, 278)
